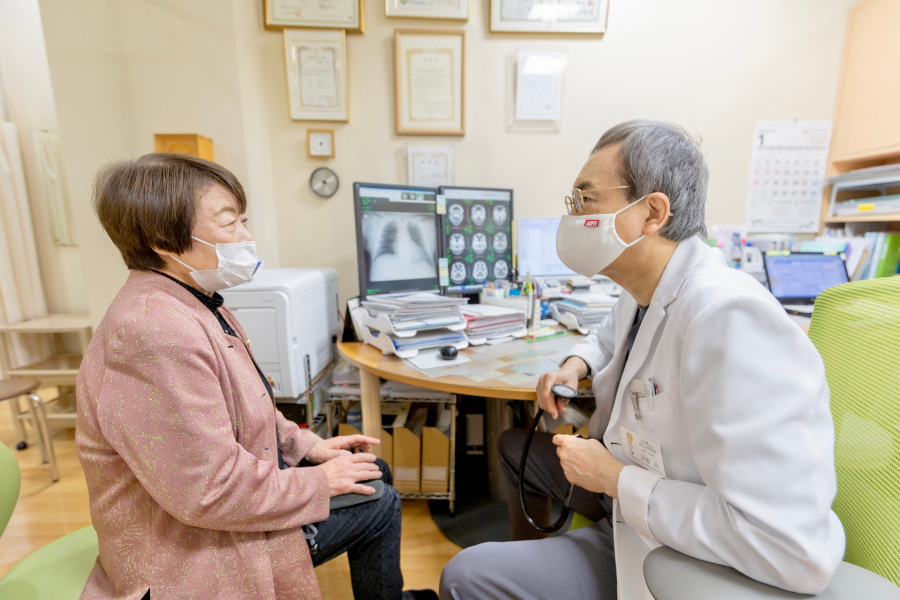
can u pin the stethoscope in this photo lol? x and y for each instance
(559, 391)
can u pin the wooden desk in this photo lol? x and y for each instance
(506, 360)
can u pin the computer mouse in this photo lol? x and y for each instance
(449, 352)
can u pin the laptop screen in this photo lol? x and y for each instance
(803, 276)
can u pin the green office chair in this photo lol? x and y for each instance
(59, 570)
(12, 481)
(856, 328)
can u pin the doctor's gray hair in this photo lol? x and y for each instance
(663, 157)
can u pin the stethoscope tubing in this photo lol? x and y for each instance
(564, 515)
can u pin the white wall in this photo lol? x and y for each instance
(28, 99)
(124, 71)
(715, 67)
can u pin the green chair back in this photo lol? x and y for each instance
(856, 328)
(10, 482)
(58, 571)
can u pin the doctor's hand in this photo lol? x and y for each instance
(346, 471)
(339, 446)
(588, 464)
(571, 372)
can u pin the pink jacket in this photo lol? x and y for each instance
(177, 438)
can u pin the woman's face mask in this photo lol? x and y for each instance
(587, 244)
(238, 263)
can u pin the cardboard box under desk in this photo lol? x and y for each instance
(435, 460)
(387, 442)
(436, 449)
(408, 450)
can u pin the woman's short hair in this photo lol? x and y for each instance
(152, 201)
(662, 157)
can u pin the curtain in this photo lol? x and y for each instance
(21, 290)
(49, 151)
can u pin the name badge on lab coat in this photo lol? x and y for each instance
(643, 451)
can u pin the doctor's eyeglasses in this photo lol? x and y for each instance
(575, 202)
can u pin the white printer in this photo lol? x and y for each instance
(287, 315)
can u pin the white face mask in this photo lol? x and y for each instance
(587, 244)
(238, 263)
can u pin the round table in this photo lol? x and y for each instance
(497, 372)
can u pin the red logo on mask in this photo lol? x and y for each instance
(592, 223)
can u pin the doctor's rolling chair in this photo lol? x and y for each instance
(856, 328)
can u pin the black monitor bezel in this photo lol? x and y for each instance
(442, 252)
(360, 260)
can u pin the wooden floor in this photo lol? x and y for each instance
(47, 511)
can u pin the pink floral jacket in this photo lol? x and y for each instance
(179, 443)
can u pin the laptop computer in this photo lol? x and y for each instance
(797, 278)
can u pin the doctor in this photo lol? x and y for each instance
(712, 433)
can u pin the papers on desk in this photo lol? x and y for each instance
(429, 339)
(486, 323)
(588, 309)
(403, 324)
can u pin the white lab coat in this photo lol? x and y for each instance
(743, 421)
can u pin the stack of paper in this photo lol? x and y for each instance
(417, 311)
(587, 308)
(486, 323)
(428, 339)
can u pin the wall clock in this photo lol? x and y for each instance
(324, 182)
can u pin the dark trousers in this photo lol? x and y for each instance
(370, 535)
(579, 565)
(544, 481)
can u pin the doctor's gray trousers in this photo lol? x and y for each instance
(575, 566)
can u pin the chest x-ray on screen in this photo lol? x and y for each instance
(399, 246)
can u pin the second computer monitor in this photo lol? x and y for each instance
(536, 248)
(396, 239)
(476, 237)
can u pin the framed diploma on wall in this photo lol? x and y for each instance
(429, 81)
(317, 74)
(428, 9)
(330, 14)
(549, 16)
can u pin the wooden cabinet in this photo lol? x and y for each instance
(867, 114)
(866, 119)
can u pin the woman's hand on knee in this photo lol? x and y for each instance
(346, 471)
(339, 446)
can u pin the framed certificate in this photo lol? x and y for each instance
(429, 81)
(317, 74)
(428, 9)
(330, 14)
(549, 16)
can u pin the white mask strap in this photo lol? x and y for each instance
(213, 245)
(181, 263)
(626, 207)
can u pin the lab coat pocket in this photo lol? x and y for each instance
(657, 403)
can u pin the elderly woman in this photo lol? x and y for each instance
(187, 459)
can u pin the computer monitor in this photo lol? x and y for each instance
(798, 277)
(536, 248)
(396, 239)
(476, 237)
